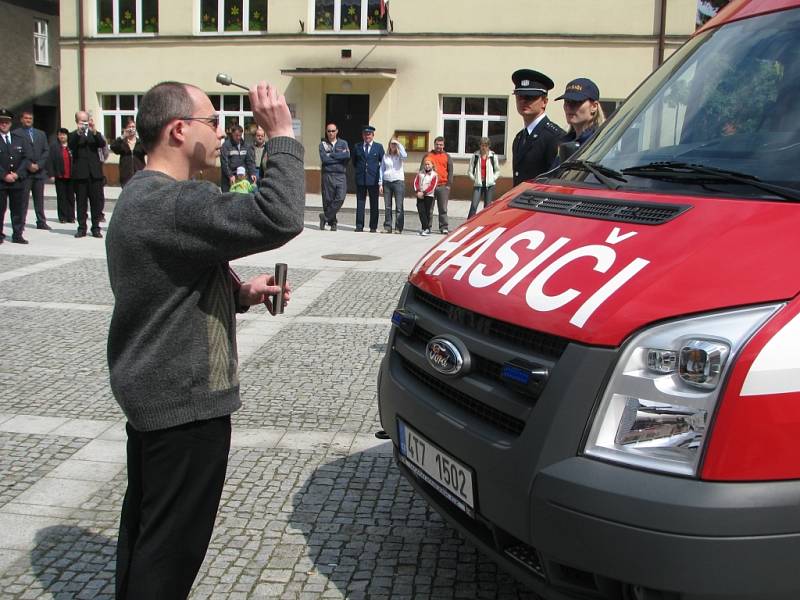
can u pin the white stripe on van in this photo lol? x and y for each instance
(776, 369)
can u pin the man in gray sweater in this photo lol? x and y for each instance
(172, 340)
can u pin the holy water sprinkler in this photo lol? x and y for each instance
(226, 79)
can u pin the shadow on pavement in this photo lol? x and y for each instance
(372, 536)
(74, 563)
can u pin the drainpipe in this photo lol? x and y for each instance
(81, 60)
(662, 20)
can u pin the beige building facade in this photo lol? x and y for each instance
(413, 68)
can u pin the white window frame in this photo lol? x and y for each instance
(337, 21)
(221, 22)
(462, 119)
(118, 113)
(115, 21)
(41, 43)
(241, 114)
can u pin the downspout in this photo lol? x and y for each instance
(81, 60)
(662, 20)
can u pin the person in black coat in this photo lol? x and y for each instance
(536, 146)
(59, 167)
(15, 152)
(37, 169)
(87, 172)
(131, 153)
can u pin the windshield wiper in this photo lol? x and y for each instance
(603, 174)
(692, 172)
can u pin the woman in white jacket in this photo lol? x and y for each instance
(392, 185)
(484, 170)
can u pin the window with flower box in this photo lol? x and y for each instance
(130, 17)
(233, 16)
(466, 119)
(350, 16)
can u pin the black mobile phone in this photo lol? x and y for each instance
(278, 302)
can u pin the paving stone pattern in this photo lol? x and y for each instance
(84, 281)
(26, 458)
(360, 294)
(10, 263)
(319, 377)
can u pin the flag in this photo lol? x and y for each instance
(383, 7)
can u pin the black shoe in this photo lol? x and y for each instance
(43, 226)
(1, 240)
(102, 217)
(97, 234)
(333, 227)
(381, 435)
(359, 229)
(80, 233)
(373, 231)
(70, 220)
(19, 240)
(322, 221)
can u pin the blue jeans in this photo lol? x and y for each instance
(396, 189)
(486, 192)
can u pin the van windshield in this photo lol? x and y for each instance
(722, 114)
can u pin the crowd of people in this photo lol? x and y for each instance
(73, 161)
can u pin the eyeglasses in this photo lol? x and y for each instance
(212, 121)
(331, 130)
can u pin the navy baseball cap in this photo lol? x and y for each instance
(368, 129)
(528, 82)
(580, 89)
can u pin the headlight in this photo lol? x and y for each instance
(656, 408)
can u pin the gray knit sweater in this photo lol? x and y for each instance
(172, 340)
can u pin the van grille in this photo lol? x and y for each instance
(642, 213)
(484, 412)
(549, 346)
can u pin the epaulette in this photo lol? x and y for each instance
(553, 128)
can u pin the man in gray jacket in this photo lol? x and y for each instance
(334, 154)
(172, 339)
(37, 173)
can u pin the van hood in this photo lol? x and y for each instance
(541, 259)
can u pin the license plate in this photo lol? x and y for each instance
(449, 476)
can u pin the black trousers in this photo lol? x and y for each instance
(175, 479)
(35, 188)
(361, 200)
(89, 195)
(17, 200)
(65, 200)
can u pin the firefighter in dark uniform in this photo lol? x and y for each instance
(536, 146)
(15, 153)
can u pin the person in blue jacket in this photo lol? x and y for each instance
(334, 154)
(367, 158)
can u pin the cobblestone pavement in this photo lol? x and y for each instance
(313, 506)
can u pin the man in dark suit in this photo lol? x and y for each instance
(15, 151)
(367, 157)
(37, 169)
(536, 146)
(87, 172)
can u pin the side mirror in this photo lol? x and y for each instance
(566, 150)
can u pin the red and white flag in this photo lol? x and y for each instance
(383, 7)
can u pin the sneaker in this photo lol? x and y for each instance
(322, 221)
(444, 231)
(387, 230)
(398, 231)
(426, 232)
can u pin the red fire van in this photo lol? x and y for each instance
(597, 378)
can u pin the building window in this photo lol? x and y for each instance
(466, 119)
(117, 109)
(233, 16)
(41, 48)
(127, 17)
(234, 109)
(350, 15)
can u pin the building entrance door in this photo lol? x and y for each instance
(350, 112)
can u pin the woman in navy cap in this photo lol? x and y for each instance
(582, 109)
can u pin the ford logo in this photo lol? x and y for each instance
(448, 356)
